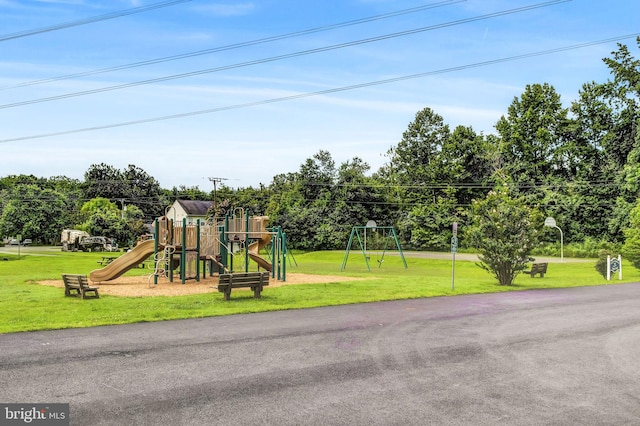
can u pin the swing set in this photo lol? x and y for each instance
(359, 233)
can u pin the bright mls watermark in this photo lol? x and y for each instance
(34, 414)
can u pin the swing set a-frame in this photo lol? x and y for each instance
(359, 233)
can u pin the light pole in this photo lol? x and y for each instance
(551, 222)
(371, 224)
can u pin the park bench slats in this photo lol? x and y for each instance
(78, 286)
(254, 280)
(537, 269)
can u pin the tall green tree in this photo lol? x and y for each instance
(356, 199)
(468, 159)
(415, 171)
(99, 205)
(533, 134)
(623, 95)
(317, 176)
(253, 200)
(299, 200)
(435, 174)
(607, 119)
(33, 212)
(631, 247)
(130, 186)
(593, 191)
(103, 181)
(183, 192)
(103, 218)
(143, 191)
(318, 205)
(282, 197)
(415, 163)
(428, 225)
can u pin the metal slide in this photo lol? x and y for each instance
(123, 263)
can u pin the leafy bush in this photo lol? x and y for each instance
(505, 231)
(601, 264)
(589, 248)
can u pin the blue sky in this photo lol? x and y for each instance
(251, 144)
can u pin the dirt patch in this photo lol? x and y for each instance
(143, 286)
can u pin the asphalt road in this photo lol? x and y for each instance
(541, 357)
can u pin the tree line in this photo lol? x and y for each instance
(578, 163)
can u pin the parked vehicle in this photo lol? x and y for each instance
(14, 242)
(93, 244)
(74, 240)
(70, 239)
(26, 242)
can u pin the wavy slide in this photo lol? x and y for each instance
(254, 249)
(123, 263)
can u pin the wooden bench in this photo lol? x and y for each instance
(255, 280)
(537, 269)
(78, 286)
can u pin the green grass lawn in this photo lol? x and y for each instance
(27, 306)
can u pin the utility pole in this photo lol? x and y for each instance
(215, 180)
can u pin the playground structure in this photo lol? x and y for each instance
(359, 233)
(220, 245)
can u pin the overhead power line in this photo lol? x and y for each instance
(90, 20)
(322, 92)
(286, 56)
(239, 45)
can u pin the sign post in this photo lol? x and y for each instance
(454, 250)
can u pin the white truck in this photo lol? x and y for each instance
(70, 239)
(74, 240)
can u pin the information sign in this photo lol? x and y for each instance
(614, 265)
